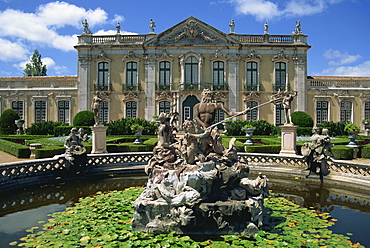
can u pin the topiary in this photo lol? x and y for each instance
(302, 119)
(84, 118)
(7, 121)
(43, 128)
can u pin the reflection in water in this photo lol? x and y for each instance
(29, 205)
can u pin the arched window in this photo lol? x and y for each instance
(164, 75)
(104, 112)
(252, 76)
(103, 76)
(253, 114)
(191, 73)
(40, 111)
(63, 111)
(321, 111)
(131, 109)
(218, 75)
(164, 107)
(280, 76)
(346, 111)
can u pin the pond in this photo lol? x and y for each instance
(23, 208)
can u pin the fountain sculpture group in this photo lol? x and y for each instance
(196, 185)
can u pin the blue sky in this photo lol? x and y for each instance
(338, 30)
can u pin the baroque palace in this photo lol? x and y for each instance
(144, 75)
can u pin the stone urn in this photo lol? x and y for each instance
(138, 133)
(249, 134)
(367, 128)
(352, 137)
(19, 124)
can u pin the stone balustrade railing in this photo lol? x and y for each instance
(45, 170)
(338, 83)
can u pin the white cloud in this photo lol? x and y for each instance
(12, 51)
(337, 58)
(267, 10)
(361, 70)
(112, 32)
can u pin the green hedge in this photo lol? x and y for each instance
(18, 150)
(304, 131)
(274, 149)
(342, 152)
(365, 151)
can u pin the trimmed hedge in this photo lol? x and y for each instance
(274, 149)
(342, 152)
(18, 150)
(365, 151)
(65, 130)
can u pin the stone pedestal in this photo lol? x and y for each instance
(99, 135)
(288, 139)
(33, 148)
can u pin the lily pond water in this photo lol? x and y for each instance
(26, 208)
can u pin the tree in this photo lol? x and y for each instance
(35, 66)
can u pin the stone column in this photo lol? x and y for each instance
(149, 87)
(300, 82)
(84, 83)
(99, 144)
(233, 81)
(288, 139)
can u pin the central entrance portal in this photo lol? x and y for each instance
(188, 106)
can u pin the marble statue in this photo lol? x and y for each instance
(266, 28)
(118, 27)
(196, 185)
(86, 27)
(152, 26)
(74, 147)
(232, 26)
(287, 102)
(98, 99)
(318, 153)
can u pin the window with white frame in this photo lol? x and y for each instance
(103, 76)
(252, 114)
(252, 76)
(164, 107)
(220, 114)
(279, 115)
(164, 75)
(18, 107)
(280, 76)
(40, 110)
(131, 109)
(191, 72)
(367, 110)
(131, 75)
(346, 111)
(219, 75)
(63, 111)
(322, 111)
(104, 112)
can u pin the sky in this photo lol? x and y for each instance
(337, 30)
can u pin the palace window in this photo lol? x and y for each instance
(252, 76)
(103, 76)
(280, 76)
(104, 112)
(63, 111)
(220, 114)
(367, 110)
(164, 75)
(131, 109)
(131, 75)
(218, 75)
(279, 115)
(346, 111)
(164, 107)
(191, 73)
(18, 107)
(253, 114)
(40, 111)
(321, 111)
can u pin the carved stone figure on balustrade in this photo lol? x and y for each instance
(75, 150)
(318, 153)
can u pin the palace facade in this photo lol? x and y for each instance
(144, 75)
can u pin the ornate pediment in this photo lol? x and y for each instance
(191, 31)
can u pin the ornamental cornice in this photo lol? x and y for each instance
(164, 56)
(102, 56)
(131, 56)
(252, 96)
(280, 57)
(252, 56)
(164, 96)
(191, 32)
(220, 96)
(131, 96)
(217, 55)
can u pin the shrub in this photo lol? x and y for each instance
(302, 119)
(342, 152)
(84, 118)
(352, 128)
(65, 130)
(18, 150)
(7, 122)
(365, 151)
(304, 131)
(43, 128)
(262, 127)
(123, 126)
(274, 149)
(335, 128)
